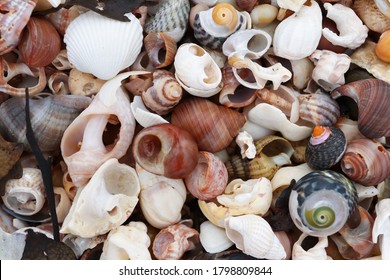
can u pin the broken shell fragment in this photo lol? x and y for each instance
(380, 231)
(317, 252)
(213, 238)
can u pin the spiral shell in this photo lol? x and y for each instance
(319, 109)
(321, 202)
(325, 148)
(161, 49)
(366, 162)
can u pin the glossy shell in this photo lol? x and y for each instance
(321, 202)
(325, 148)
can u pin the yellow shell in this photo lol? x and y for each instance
(382, 49)
(225, 14)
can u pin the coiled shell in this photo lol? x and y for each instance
(319, 109)
(321, 202)
(366, 162)
(161, 49)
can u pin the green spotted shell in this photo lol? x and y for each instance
(321, 202)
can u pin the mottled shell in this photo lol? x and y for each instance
(372, 98)
(50, 117)
(325, 148)
(321, 202)
(382, 47)
(319, 109)
(369, 13)
(366, 162)
(172, 242)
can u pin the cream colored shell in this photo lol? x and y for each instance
(213, 238)
(381, 229)
(317, 252)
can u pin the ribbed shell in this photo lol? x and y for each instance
(50, 117)
(366, 162)
(319, 109)
(373, 100)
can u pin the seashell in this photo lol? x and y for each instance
(119, 44)
(69, 187)
(286, 174)
(61, 61)
(324, 44)
(171, 18)
(233, 94)
(263, 14)
(194, 12)
(269, 117)
(381, 49)
(213, 26)
(293, 5)
(316, 252)
(319, 109)
(245, 141)
(325, 148)
(63, 17)
(58, 83)
(13, 245)
(301, 72)
(83, 83)
(166, 149)
(292, 39)
(128, 242)
(40, 42)
(283, 98)
(321, 202)
(172, 242)
(345, 17)
(80, 245)
(63, 203)
(365, 192)
(209, 3)
(14, 17)
(366, 58)
(356, 243)
(276, 73)
(254, 236)
(161, 198)
(212, 126)
(213, 238)
(246, 5)
(61, 110)
(111, 104)
(142, 115)
(206, 80)
(105, 202)
(25, 196)
(370, 120)
(164, 94)
(380, 231)
(383, 6)
(10, 69)
(371, 15)
(272, 152)
(208, 179)
(366, 162)
(48, 4)
(161, 49)
(249, 43)
(137, 85)
(9, 155)
(329, 68)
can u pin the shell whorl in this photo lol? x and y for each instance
(319, 109)
(225, 14)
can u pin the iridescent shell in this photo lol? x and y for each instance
(325, 148)
(321, 202)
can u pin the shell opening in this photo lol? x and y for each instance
(149, 148)
(225, 14)
(196, 50)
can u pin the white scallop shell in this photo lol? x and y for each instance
(381, 229)
(317, 252)
(254, 236)
(213, 238)
(102, 46)
(105, 202)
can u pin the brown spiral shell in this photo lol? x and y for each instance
(161, 49)
(319, 109)
(373, 101)
(366, 162)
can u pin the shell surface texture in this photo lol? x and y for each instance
(321, 202)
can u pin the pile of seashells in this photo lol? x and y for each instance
(199, 129)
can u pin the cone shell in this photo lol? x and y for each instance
(213, 126)
(115, 44)
(366, 162)
(372, 98)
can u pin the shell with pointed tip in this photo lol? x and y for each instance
(161, 198)
(172, 242)
(205, 79)
(213, 238)
(105, 202)
(213, 126)
(316, 252)
(208, 179)
(82, 146)
(325, 148)
(366, 161)
(372, 98)
(171, 18)
(319, 109)
(369, 13)
(298, 36)
(380, 231)
(321, 202)
(128, 242)
(115, 44)
(50, 117)
(254, 236)
(25, 196)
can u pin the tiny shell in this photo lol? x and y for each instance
(213, 238)
(317, 252)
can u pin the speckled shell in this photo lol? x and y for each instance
(319, 109)
(325, 150)
(328, 192)
(373, 100)
(366, 162)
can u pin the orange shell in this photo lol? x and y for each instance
(382, 49)
(225, 14)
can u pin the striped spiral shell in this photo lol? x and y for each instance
(319, 109)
